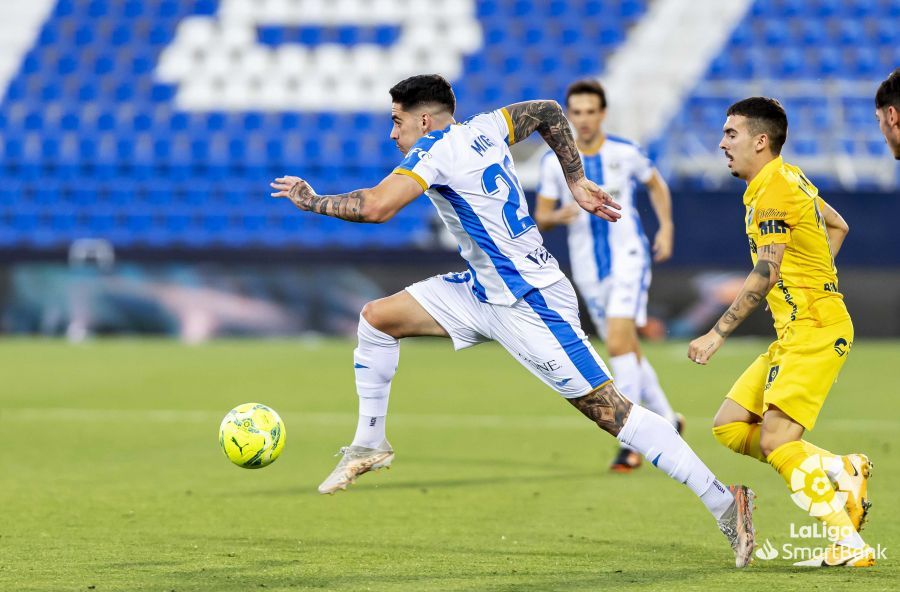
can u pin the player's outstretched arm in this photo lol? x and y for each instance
(548, 119)
(756, 287)
(375, 205)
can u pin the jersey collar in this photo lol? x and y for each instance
(761, 178)
(595, 147)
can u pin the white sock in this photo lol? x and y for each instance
(626, 370)
(369, 431)
(657, 440)
(652, 395)
(375, 362)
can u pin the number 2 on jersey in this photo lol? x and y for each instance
(490, 180)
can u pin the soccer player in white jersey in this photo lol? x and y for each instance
(611, 262)
(513, 291)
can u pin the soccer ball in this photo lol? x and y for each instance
(252, 435)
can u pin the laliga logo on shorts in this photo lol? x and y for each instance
(220, 63)
(812, 490)
(767, 551)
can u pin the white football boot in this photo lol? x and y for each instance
(356, 461)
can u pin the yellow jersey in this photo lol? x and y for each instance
(784, 207)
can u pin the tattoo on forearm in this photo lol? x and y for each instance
(346, 206)
(548, 119)
(605, 406)
(766, 269)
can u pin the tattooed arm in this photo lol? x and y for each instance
(757, 285)
(548, 119)
(605, 406)
(374, 205)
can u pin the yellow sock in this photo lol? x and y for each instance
(816, 486)
(741, 437)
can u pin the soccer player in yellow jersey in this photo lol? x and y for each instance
(887, 111)
(794, 236)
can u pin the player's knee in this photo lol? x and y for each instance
(721, 419)
(740, 436)
(373, 313)
(731, 434)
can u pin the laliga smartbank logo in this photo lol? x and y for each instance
(808, 541)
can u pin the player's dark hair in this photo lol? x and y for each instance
(888, 93)
(766, 116)
(422, 89)
(587, 86)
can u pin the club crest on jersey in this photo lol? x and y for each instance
(841, 346)
(773, 372)
(750, 216)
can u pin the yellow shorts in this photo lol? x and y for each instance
(796, 372)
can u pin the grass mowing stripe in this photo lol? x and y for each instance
(425, 420)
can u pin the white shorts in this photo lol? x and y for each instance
(542, 329)
(621, 295)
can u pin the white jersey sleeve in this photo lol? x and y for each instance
(497, 125)
(551, 183)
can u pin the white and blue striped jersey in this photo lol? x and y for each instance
(467, 171)
(597, 249)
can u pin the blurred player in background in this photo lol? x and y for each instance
(513, 291)
(794, 236)
(887, 110)
(611, 262)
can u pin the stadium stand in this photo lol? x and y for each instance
(98, 142)
(823, 59)
(158, 123)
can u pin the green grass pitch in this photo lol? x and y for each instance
(112, 477)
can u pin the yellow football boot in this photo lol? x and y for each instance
(841, 556)
(858, 469)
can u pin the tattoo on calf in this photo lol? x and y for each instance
(605, 406)
(548, 119)
(346, 206)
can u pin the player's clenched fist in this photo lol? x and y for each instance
(702, 349)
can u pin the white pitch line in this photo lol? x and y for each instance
(425, 420)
